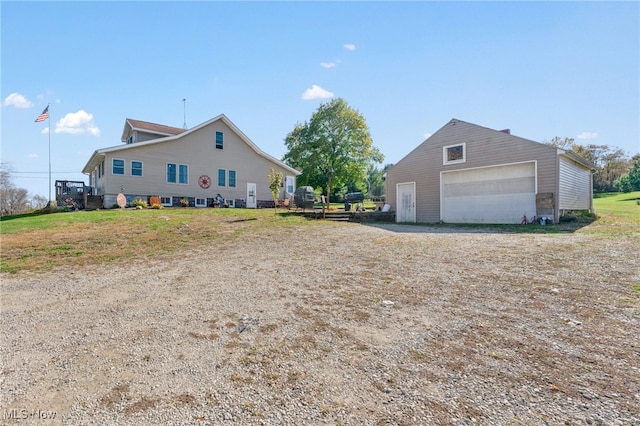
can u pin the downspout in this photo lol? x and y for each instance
(556, 207)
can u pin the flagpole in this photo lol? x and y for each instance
(49, 118)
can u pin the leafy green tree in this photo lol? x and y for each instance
(333, 148)
(630, 181)
(375, 180)
(611, 162)
(275, 180)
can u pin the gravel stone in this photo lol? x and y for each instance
(334, 323)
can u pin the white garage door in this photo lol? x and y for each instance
(498, 194)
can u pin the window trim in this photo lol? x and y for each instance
(222, 173)
(180, 174)
(446, 161)
(169, 204)
(113, 166)
(141, 168)
(201, 202)
(235, 177)
(175, 174)
(219, 145)
(288, 179)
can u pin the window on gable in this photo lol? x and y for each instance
(232, 178)
(453, 154)
(118, 167)
(221, 177)
(130, 140)
(183, 176)
(219, 140)
(136, 168)
(171, 172)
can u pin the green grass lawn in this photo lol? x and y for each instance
(622, 205)
(39, 242)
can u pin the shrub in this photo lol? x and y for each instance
(140, 203)
(156, 206)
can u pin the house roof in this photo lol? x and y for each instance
(567, 153)
(578, 158)
(98, 155)
(147, 127)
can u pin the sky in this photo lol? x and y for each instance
(541, 69)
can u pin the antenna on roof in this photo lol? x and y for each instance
(184, 108)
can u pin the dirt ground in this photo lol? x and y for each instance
(337, 323)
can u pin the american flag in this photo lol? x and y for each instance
(44, 115)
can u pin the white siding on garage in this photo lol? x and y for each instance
(574, 186)
(495, 194)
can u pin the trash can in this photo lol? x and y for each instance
(347, 207)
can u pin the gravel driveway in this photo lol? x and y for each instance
(335, 323)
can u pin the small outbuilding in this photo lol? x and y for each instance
(466, 173)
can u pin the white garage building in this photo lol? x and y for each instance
(465, 173)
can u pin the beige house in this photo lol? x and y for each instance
(214, 159)
(465, 173)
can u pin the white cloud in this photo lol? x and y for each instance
(33, 155)
(350, 47)
(427, 135)
(316, 92)
(94, 131)
(16, 100)
(327, 64)
(587, 135)
(77, 123)
(45, 130)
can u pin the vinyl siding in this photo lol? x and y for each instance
(197, 150)
(484, 147)
(574, 186)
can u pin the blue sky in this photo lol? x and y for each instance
(541, 69)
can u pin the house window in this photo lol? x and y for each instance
(201, 202)
(130, 140)
(118, 167)
(177, 173)
(221, 177)
(219, 140)
(290, 189)
(136, 168)
(454, 154)
(166, 201)
(232, 178)
(171, 173)
(183, 176)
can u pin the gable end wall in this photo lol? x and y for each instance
(484, 147)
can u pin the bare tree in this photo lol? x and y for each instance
(38, 201)
(12, 200)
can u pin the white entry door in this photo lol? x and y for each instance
(406, 202)
(251, 195)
